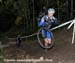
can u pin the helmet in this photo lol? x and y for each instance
(51, 10)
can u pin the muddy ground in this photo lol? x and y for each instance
(62, 52)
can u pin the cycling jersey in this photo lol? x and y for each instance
(46, 21)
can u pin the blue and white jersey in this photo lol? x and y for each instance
(48, 19)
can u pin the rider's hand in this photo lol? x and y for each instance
(47, 25)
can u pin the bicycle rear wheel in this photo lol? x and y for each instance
(41, 37)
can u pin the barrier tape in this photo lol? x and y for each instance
(59, 26)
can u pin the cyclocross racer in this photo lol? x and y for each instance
(48, 21)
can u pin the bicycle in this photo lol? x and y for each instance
(41, 37)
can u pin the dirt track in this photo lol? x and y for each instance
(62, 52)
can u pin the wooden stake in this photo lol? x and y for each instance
(73, 34)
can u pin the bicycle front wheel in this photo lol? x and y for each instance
(41, 36)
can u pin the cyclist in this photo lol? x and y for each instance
(48, 21)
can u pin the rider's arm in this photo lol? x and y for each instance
(42, 22)
(55, 21)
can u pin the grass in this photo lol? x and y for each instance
(1, 57)
(1, 60)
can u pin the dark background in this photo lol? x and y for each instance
(20, 16)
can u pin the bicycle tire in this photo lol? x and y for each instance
(39, 39)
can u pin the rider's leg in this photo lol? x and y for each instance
(46, 39)
(49, 37)
(46, 42)
(49, 41)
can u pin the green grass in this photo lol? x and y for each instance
(1, 60)
(1, 57)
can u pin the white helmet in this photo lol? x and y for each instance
(51, 10)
